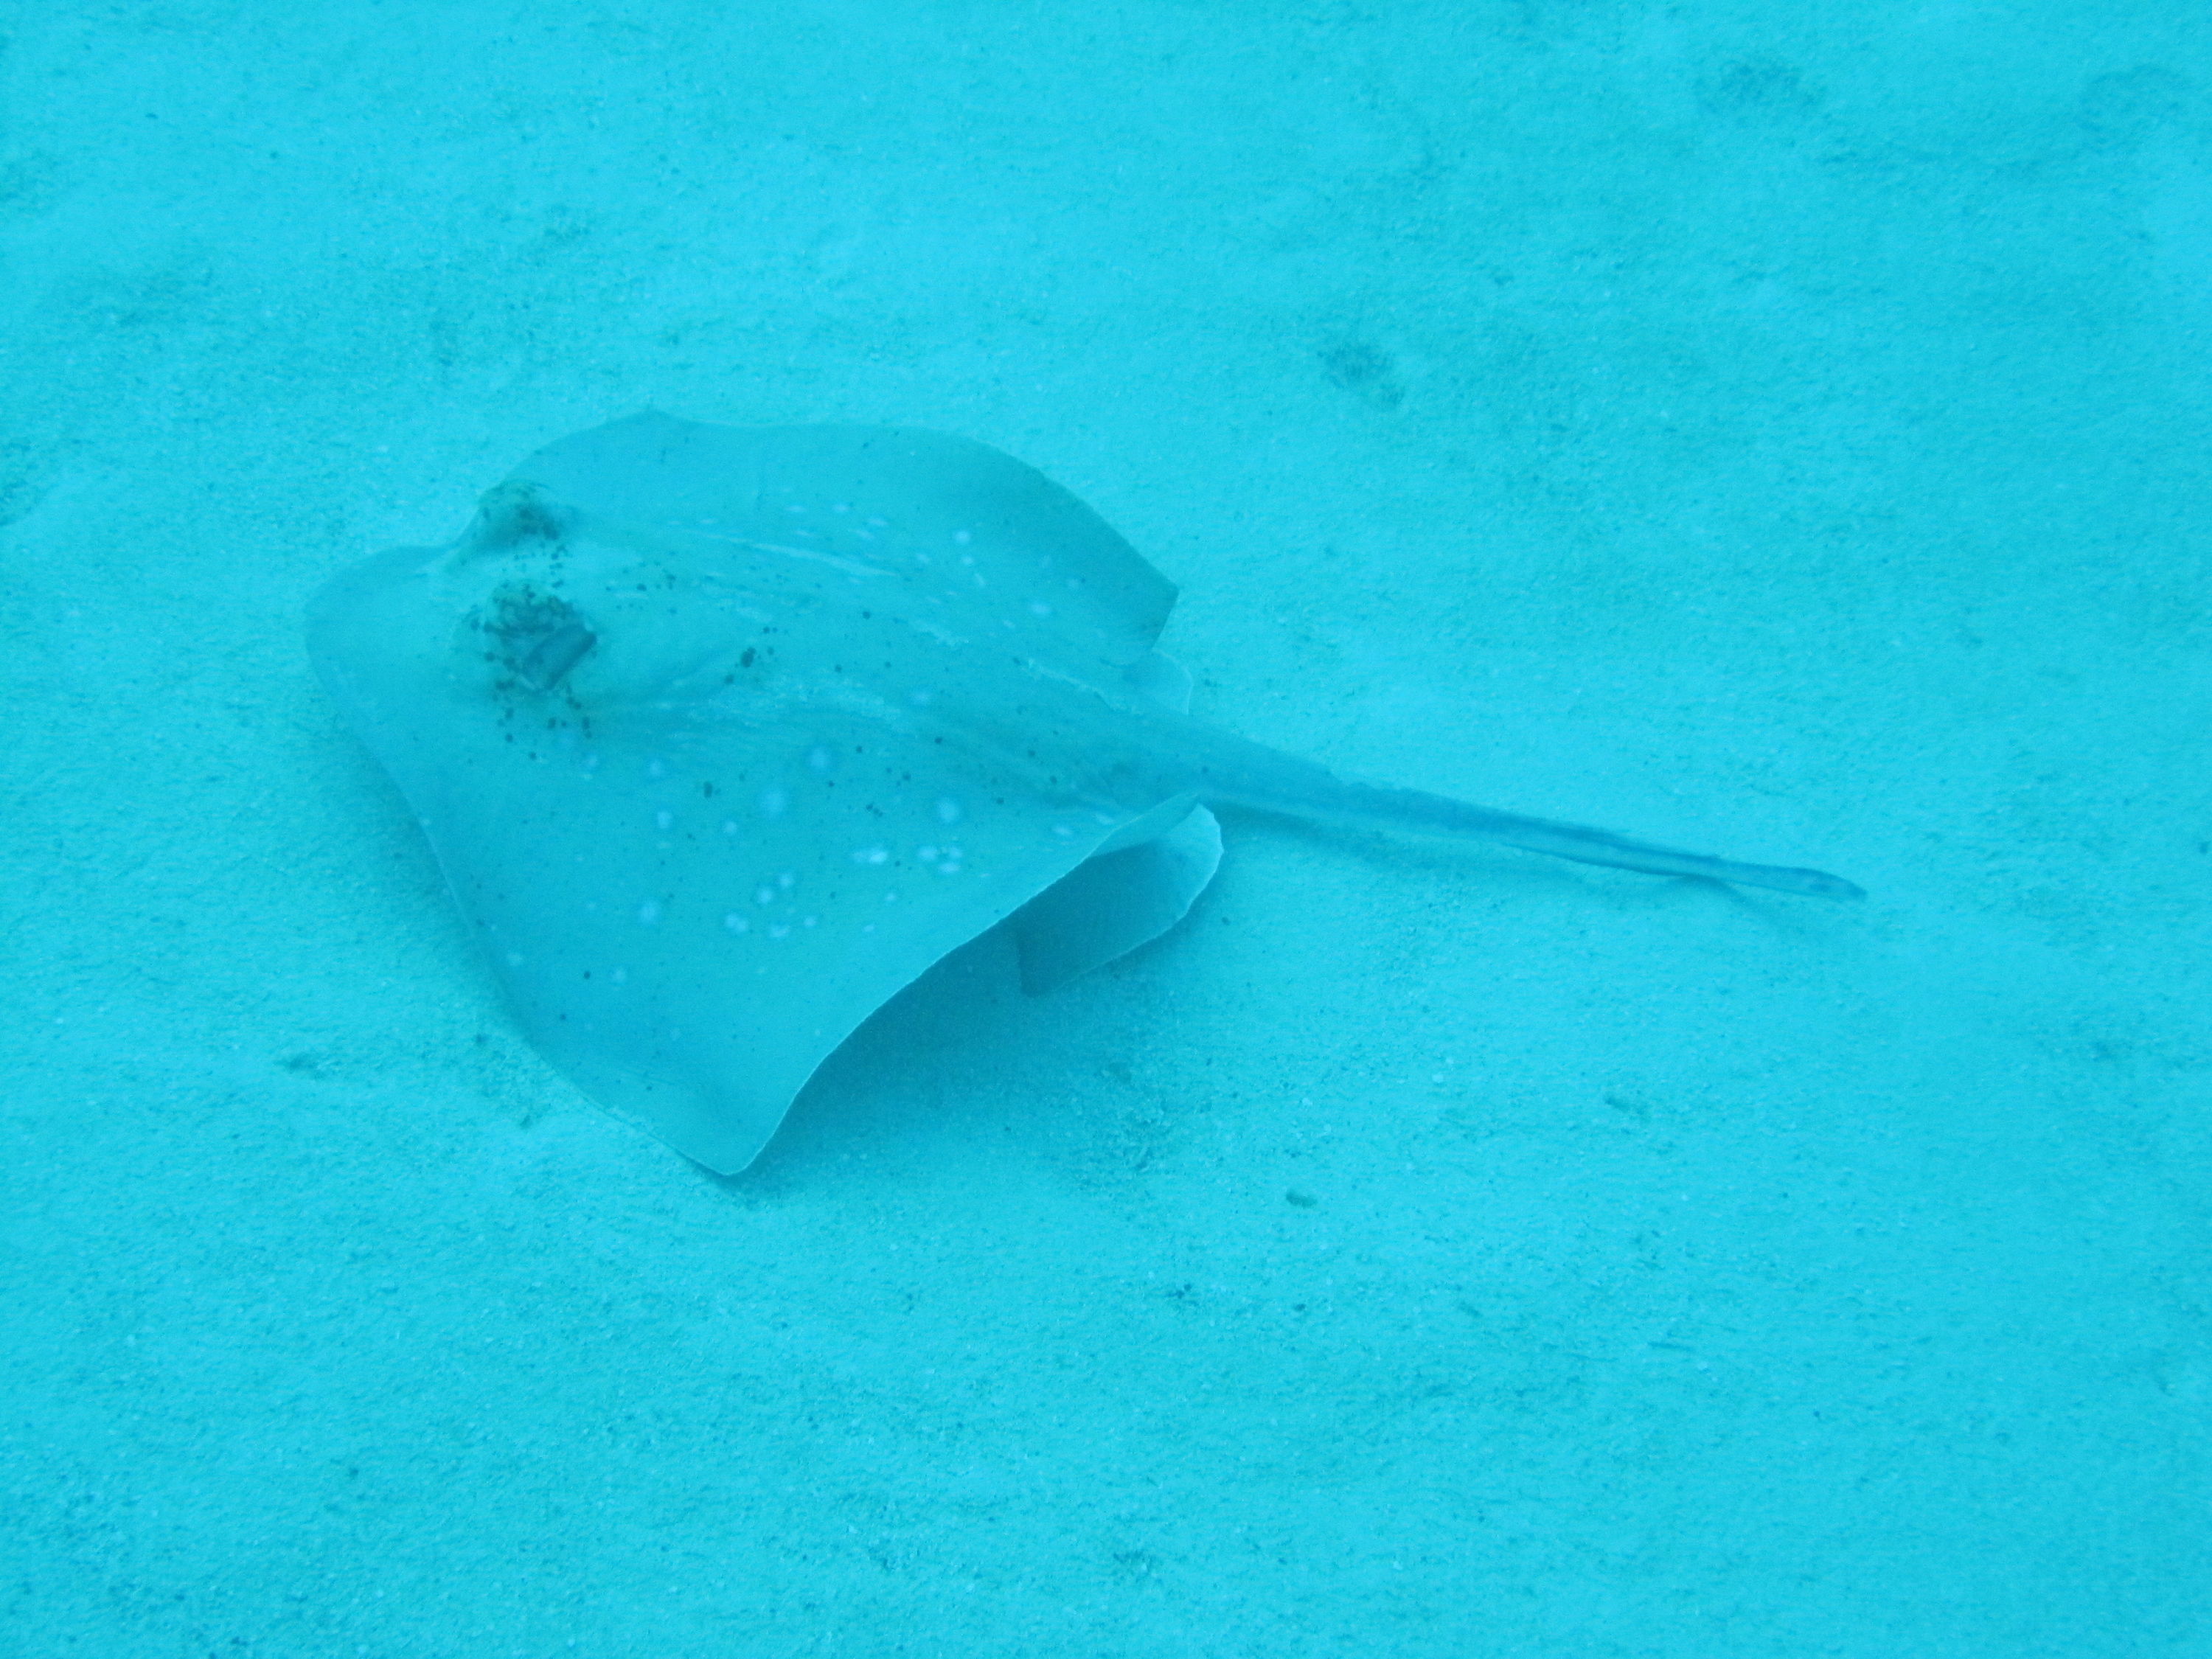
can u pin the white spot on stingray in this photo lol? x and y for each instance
(764, 894)
(871, 855)
(964, 537)
(590, 762)
(808, 921)
(890, 898)
(514, 958)
(840, 507)
(663, 819)
(729, 826)
(920, 698)
(656, 767)
(779, 930)
(772, 803)
(948, 809)
(926, 855)
(735, 923)
(1063, 830)
(819, 759)
(649, 913)
(621, 976)
(1039, 608)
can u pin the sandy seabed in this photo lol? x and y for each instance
(1778, 429)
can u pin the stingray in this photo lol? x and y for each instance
(723, 735)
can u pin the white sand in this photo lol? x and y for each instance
(1783, 436)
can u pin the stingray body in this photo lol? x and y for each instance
(724, 735)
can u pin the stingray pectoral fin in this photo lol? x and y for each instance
(705, 1123)
(1115, 903)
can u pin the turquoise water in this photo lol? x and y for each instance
(1772, 430)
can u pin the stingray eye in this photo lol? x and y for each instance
(534, 635)
(515, 512)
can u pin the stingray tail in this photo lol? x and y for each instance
(1238, 774)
